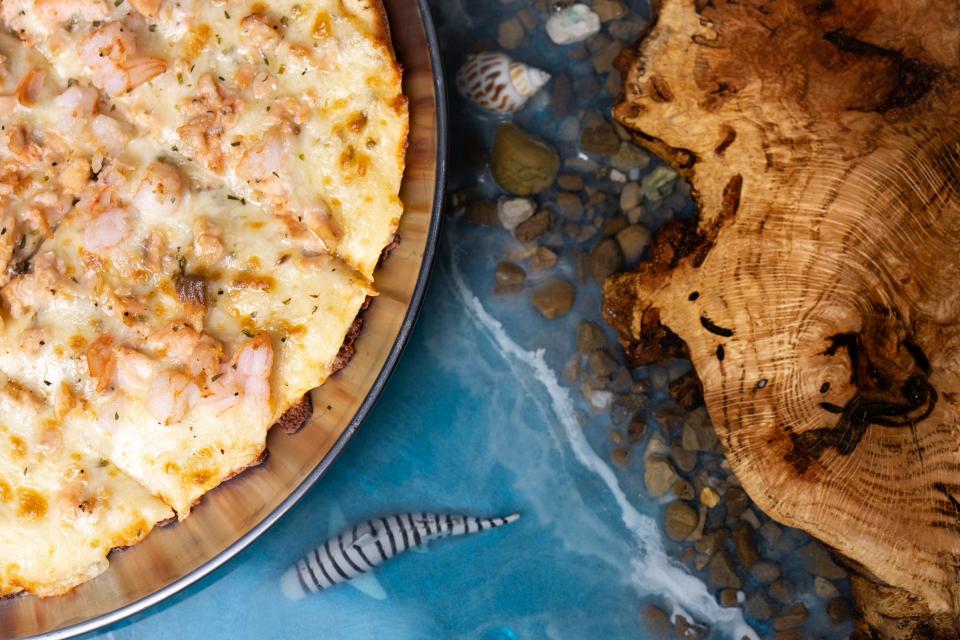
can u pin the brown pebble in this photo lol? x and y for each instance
(590, 337)
(616, 437)
(685, 460)
(781, 591)
(746, 544)
(543, 259)
(570, 182)
(522, 163)
(818, 561)
(681, 520)
(510, 34)
(605, 260)
(483, 212)
(728, 598)
(569, 205)
(510, 275)
(758, 606)
(688, 630)
(553, 298)
(633, 241)
(683, 489)
(638, 426)
(613, 226)
(722, 573)
(736, 501)
(609, 9)
(712, 541)
(620, 456)
(601, 363)
(599, 138)
(792, 618)
(533, 227)
(765, 572)
(839, 610)
(655, 621)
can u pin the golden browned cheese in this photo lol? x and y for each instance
(194, 197)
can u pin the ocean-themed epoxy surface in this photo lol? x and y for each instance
(508, 400)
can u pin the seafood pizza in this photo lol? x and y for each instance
(193, 198)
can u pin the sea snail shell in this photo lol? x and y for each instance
(496, 83)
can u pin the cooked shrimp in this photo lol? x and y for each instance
(147, 8)
(30, 87)
(78, 103)
(199, 354)
(160, 192)
(260, 31)
(110, 52)
(245, 379)
(27, 291)
(21, 144)
(156, 250)
(207, 242)
(320, 222)
(172, 396)
(108, 229)
(74, 175)
(262, 165)
(53, 13)
(110, 133)
(133, 372)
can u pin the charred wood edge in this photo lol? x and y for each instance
(888, 613)
(877, 402)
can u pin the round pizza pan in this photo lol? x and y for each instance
(232, 516)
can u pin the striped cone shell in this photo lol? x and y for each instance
(359, 550)
(495, 82)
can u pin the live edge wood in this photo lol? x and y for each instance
(817, 294)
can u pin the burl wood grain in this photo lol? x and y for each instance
(818, 293)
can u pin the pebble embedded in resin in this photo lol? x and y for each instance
(573, 24)
(493, 81)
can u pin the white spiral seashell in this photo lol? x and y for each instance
(495, 82)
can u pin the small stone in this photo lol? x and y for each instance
(824, 588)
(600, 400)
(712, 541)
(521, 163)
(770, 531)
(603, 61)
(533, 227)
(621, 382)
(681, 520)
(685, 460)
(655, 621)
(636, 214)
(601, 363)
(765, 572)
(613, 226)
(746, 544)
(510, 275)
(609, 9)
(482, 212)
(722, 573)
(553, 298)
(543, 259)
(792, 618)
(698, 433)
(637, 428)
(510, 34)
(575, 23)
(633, 241)
(590, 337)
(620, 456)
(781, 591)
(615, 174)
(659, 183)
(687, 630)
(561, 98)
(630, 196)
(709, 497)
(736, 501)
(629, 157)
(605, 260)
(570, 182)
(816, 559)
(758, 607)
(528, 20)
(683, 489)
(658, 475)
(728, 598)
(839, 610)
(599, 138)
(569, 205)
(514, 211)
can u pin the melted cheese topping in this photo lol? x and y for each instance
(194, 197)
